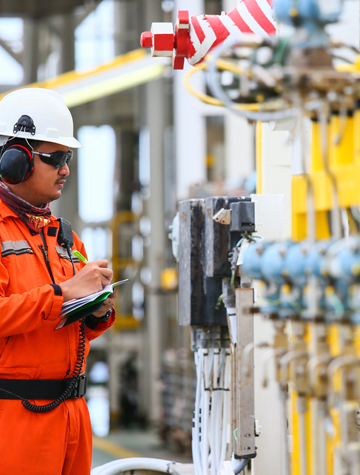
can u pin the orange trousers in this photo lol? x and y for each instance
(58, 442)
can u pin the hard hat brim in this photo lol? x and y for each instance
(70, 142)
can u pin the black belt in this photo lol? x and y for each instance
(40, 388)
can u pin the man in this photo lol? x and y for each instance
(44, 421)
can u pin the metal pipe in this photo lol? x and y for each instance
(266, 358)
(340, 361)
(287, 359)
(322, 439)
(246, 355)
(313, 363)
(335, 210)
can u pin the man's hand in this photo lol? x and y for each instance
(92, 278)
(106, 306)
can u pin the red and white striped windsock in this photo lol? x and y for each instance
(194, 37)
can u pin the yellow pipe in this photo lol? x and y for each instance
(341, 143)
(357, 133)
(71, 77)
(227, 66)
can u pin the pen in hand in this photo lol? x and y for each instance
(81, 257)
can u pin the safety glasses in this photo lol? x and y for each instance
(56, 159)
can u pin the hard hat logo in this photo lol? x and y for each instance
(25, 124)
(38, 114)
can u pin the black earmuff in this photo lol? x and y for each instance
(16, 160)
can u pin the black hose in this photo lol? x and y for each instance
(241, 466)
(78, 365)
(73, 382)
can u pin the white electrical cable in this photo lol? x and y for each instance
(219, 403)
(205, 414)
(217, 428)
(213, 414)
(201, 410)
(196, 426)
(130, 464)
(211, 411)
(225, 383)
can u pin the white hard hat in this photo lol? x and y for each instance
(51, 118)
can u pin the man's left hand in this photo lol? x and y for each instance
(106, 306)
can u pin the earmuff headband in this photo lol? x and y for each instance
(21, 146)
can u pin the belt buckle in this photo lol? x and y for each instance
(80, 389)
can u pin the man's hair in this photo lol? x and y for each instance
(35, 144)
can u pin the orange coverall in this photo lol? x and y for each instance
(58, 442)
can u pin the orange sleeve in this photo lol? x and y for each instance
(100, 329)
(23, 313)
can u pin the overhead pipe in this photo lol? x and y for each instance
(193, 37)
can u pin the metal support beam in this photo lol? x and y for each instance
(243, 402)
(17, 56)
(155, 112)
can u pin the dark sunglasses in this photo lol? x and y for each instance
(56, 159)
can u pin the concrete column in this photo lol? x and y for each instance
(239, 136)
(189, 121)
(31, 50)
(156, 115)
(127, 36)
(67, 57)
(152, 106)
(68, 205)
(126, 140)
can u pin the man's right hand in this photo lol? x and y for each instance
(92, 278)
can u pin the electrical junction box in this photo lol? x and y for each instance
(204, 247)
(198, 293)
(220, 239)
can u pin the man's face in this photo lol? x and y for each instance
(46, 182)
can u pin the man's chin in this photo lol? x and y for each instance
(55, 196)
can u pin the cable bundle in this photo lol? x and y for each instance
(209, 433)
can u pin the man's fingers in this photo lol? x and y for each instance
(107, 273)
(102, 263)
(110, 299)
